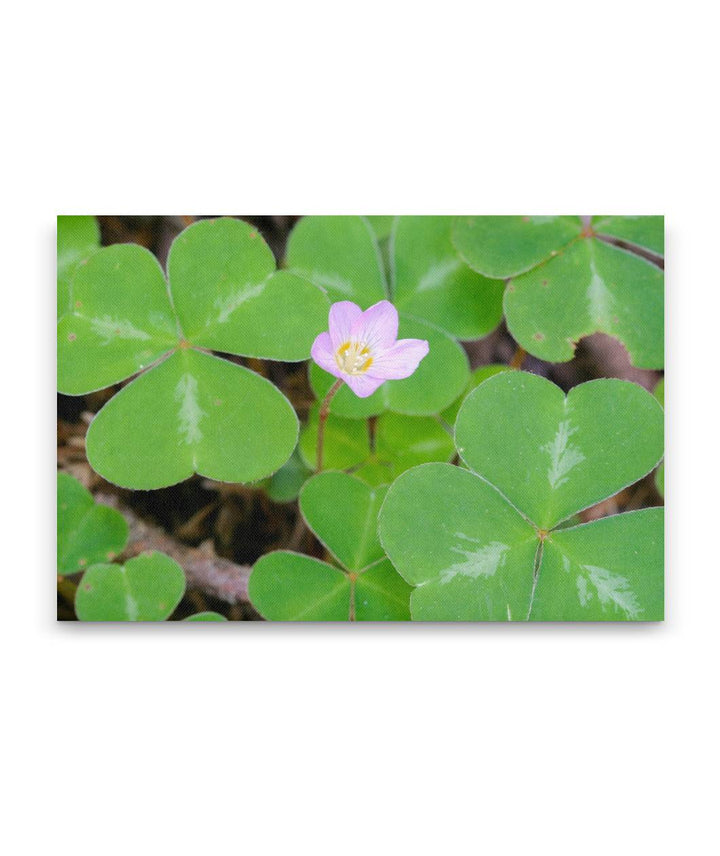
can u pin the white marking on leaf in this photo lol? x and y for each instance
(482, 562)
(563, 456)
(190, 413)
(582, 589)
(109, 329)
(159, 320)
(611, 589)
(228, 304)
(331, 280)
(601, 303)
(131, 606)
(436, 276)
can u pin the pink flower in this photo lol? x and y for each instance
(363, 349)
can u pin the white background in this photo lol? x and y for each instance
(348, 740)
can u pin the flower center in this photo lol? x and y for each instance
(353, 358)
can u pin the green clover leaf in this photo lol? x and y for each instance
(188, 411)
(566, 282)
(206, 616)
(285, 484)
(449, 415)
(603, 436)
(146, 588)
(77, 239)
(342, 512)
(86, 532)
(488, 543)
(659, 393)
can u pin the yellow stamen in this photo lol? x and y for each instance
(353, 358)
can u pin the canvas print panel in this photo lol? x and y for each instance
(348, 418)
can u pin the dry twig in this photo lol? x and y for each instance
(204, 569)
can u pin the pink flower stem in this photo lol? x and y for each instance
(322, 419)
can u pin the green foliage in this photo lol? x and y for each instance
(610, 569)
(89, 536)
(508, 246)
(228, 296)
(408, 534)
(146, 588)
(342, 512)
(449, 415)
(486, 544)
(286, 586)
(86, 532)
(449, 533)
(552, 455)
(430, 281)
(121, 320)
(382, 225)
(347, 441)
(192, 412)
(77, 239)
(437, 296)
(206, 616)
(400, 442)
(659, 393)
(647, 233)
(285, 484)
(566, 282)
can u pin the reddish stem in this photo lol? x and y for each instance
(322, 419)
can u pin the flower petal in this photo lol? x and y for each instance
(377, 327)
(324, 355)
(343, 315)
(363, 385)
(400, 361)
